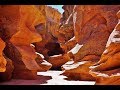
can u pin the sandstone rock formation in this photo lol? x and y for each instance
(77, 70)
(38, 38)
(58, 60)
(7, 74)
(91, 23)
(53, 17)
(66, 31)
(92, 27)
(18, 31)
(42, 63)
(48, 30)
(107, 71)
(3, 61)
(67, 16)
(64, 34)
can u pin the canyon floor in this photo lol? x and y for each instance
(48, 78)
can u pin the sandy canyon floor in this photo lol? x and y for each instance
(48, 78)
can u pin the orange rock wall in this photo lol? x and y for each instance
(93, 25)
(18, 31)
(110, 60)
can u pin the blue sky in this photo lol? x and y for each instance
(59, 7)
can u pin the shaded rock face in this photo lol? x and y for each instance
(67, 14)
(66, 31)
(53, 17)
(107, 69)
(92, 27)
(18, 31)
(48, 30)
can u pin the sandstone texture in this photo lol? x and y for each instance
(18, 31)
(92, 27)
(83, 42)
(3, 61)
(107, 71)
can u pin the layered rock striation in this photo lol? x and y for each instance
(106, 70)
(18, 32)
(92, 27)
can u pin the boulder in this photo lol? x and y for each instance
(58, 60)
(68, 45)
(44, 65)
(77, 70)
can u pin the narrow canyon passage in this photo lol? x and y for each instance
(59, 44)
(50, 77)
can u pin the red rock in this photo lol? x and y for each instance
(19, 32)
(3, 61)
(58, 60)
(65, 33)
(48, 30)
(66, 30)
(78, 71)
(109, 63)
(7, 75)
(68, 45)
(95, 21)
(68, 9)
(92, 27)
(44, 65)
(53, 20)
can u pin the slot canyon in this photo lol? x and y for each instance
(41, 46)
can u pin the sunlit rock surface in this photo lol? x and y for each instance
(7, 74)
(67, 14)
(58, 60)
(6, 66)
(18, 31)
(107, 71)
(37, 38)
(92, 27)
(3, 61)
(44, 65)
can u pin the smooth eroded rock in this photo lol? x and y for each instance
(18, 26)
(107, 69)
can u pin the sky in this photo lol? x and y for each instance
(59, 7)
